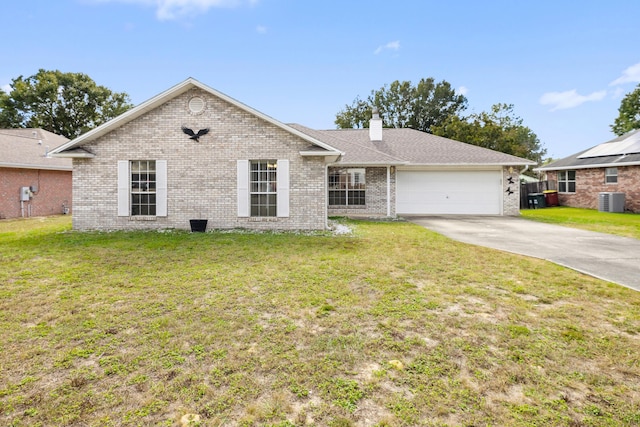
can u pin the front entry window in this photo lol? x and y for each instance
(347, 187)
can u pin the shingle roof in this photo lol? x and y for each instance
(589, 158)
(408, 147)
(27, 148)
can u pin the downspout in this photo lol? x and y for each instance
(326, 196)
(388, 191)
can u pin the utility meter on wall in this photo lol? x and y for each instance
(25, 194)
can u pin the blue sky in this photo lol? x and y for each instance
(564, 65)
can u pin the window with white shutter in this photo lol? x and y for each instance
(142, 188)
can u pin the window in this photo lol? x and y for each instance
(611, 175)
(347, 187)
(263, 188)
(143, 187)
(567, 181)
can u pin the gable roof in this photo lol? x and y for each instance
(403, 146)
(28, 149)
(73, 147)
(621, 151)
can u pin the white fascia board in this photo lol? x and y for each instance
(65, 155)
(450, 167)
(312, 153)
(469, 165)
(27, 166)
(171, 93)
(125, 117)
(370, 164)
(595, 166)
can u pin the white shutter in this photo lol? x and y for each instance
(243, 188)
(123, 188)
(161, 188)
(283, 188)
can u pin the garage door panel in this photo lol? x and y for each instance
(429, 192)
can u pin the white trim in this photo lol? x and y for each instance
(26, 166)
(123, 188)
(242, 188)
(312, 153)
(326, 197)
(161, 188)
(72, 155)
(388, 191)
(596, 166)
(282, 189)
(171, 93)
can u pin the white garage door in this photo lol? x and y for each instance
(449, 192)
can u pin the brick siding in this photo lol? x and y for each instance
(511, 192)
(54, 190)
(590, 182)
(201, 176)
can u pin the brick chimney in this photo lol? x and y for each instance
(375, 126)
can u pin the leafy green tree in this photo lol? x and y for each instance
(401, 105)
(67, 104)
(629, 113)
(498, 130)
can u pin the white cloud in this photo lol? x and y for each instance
(395, 45)
(172, 9)
(5, 88)
(569, 99)
(630, 75)
(261, 29)
(617, 93)
(463, 90)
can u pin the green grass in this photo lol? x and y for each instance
(622, 224)
(392, 326)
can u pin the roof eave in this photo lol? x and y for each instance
(593, 166)
(171, 93)
(31, 166)
(474, 164)
(73, 155)
(312, 153)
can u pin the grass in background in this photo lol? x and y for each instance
(393, 326)
(622, 224)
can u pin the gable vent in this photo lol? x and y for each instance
(196, 105)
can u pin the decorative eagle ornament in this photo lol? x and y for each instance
(193, 135)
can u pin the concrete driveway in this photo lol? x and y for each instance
(612, 258)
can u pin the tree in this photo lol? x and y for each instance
(67, 104)
(402, 105)
(498, 130)
(629, 113)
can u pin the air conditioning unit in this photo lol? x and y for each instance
(611, 202)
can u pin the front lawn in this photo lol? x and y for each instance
(622, 224)
(391, 326)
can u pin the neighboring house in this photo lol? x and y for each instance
(31, 183)
(192, 152)
(613, 166)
